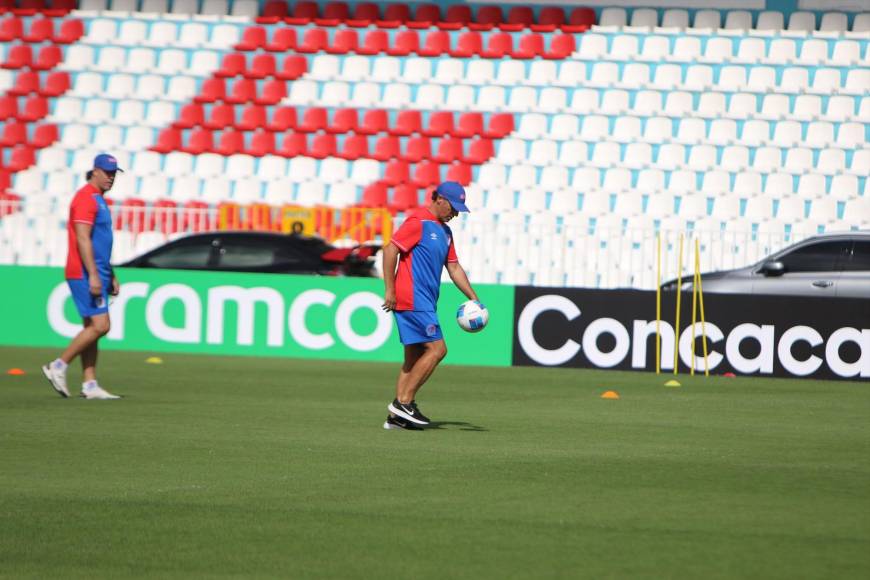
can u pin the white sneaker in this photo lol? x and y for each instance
(97, 393)
(57, 378)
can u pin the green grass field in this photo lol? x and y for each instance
(255, 468)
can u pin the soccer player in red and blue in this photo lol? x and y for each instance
(422, 247)
(90, 277)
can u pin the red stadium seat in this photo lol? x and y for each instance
(196, 216)
(41, 30)
(130, 216)
(164, 217)
(44, 136)
(469, 44)
(314, 120)
(407, 123)
(386, 148)
(394, 16)
(449, 150)
(315, 40)
(405, 197)
(479, 151)
(200, 141)
(334, 13)
(7, 6)
(243, 91)
(407, 42)
(374, 121)
(376, 42)
(581, 20)
(343, 121)
(396, 172)
(233, 64)
(11, 29)
(232, 142)
(8, 108)
(500, 125)
(253, 38)
(293, 145)
(425, 15)
(374, 195)
(262, 143)
(417, 149)
(19, 56)
(551, 18)
(60, 8)
(427, 174)
(262, 66)
(519, 17)
(49, 56)
(220, 117)
(440, 124)
(191, 115)
(294, 67)
(469, 125)
(70, 31)
(354, 147)
(5, 183)
(561, 46)
(303, 13)
(23, 156)
(14, 133)
(35, 108)
(273, 12)
(531, 46)
(323, 146)
(253, 117)
(283, 39)
(29, 7)
(500, 45)
(283, 119)
(458, 16)
(437, 43)
(488, 17)
(26, 82)
(168, 140)
(56, 84)
(343, 42)
(364, 15)
(273, 92)
(459, 172)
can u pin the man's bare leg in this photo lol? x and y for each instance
(420, 362)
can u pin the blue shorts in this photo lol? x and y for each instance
(416, 327)
(87, 304)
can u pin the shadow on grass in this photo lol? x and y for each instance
(462, 426)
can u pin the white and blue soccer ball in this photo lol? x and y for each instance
(472, 316)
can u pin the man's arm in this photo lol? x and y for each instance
(86, 252)
(390, 260)
(457, 274)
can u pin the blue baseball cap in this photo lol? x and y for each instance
(106, 162)
(454, 193)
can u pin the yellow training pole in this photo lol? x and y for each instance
(694, 305)
(679, 293)
(658, 303)
(701, 301)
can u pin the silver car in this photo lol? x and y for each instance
(834, 265)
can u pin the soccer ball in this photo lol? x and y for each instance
(472, 316)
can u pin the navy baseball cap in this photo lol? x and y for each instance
(454, 193)
(106, 162)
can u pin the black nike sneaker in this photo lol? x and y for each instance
(408, 412)
(400, 423)
(420, 415)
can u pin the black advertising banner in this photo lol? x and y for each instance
(746, 335)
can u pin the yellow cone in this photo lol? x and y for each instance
(672, 383)
(154, 360)
(610, 395)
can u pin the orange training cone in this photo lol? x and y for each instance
(610, 395)
(15, 371)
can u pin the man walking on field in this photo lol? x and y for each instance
(421, 248)
(90, 278)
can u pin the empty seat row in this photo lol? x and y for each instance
(427, 15)
(51, 8)
(198, 63)
(23, 56)
(162, 33)
(174, 8)
(40, 30)
(51, 84)
(409, 42)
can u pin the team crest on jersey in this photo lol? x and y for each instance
(433, 236)
(431, 330)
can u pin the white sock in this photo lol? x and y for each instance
(59, 364)
(87, 385)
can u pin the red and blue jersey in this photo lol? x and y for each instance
(426, 245)
(89, 207)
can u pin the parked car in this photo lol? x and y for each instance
(836, 264)
(259, 252)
